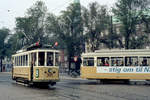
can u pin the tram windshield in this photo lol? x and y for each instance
(50, 57)
(56, 59)
(41, 59)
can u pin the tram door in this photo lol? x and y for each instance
(33, 63)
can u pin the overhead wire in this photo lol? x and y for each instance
(62, 5)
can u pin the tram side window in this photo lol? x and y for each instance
(131, 61)
(50, 57)
(88, 61)
(15, 61)
(103, 61)
(19, 60)
(117, 61)
(56, 59)
(33, 59)
(23, 60)
(144, 61)
(41, 59)
(26, 60)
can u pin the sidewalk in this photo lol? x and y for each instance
(67, 77)
(5, 72)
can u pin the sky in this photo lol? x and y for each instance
(10, 9)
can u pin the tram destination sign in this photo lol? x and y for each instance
(117, 69)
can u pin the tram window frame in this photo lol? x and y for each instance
(144, 58)
(103, 61)
(19, 60)
(87, 59)
(15, 61)
(23, 60)
(50, 57)
(34, 58)
(57, 58)
(131, 62)
(119, 61)
(26, 60)
(41, 61)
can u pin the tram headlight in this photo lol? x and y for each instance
(49, 70)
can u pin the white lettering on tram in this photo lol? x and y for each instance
(123, 69)
(146, 69)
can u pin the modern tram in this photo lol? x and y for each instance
(116, 65)
(36, 65)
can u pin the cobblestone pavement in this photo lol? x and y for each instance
(73, 89)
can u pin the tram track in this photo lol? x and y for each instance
(96, 94)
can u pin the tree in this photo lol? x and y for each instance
(68, 28)
(129, 13)
(32, 26)
(96, 21)
(4, 32)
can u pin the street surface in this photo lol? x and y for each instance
(73, 89)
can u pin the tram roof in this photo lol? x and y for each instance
(119, 52)
(35, 50)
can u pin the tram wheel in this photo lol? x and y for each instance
(127, 81)
(100, 81)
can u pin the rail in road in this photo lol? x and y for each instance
(96, 93)
(78, 89)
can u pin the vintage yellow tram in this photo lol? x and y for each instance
(116, 65)
(36, 65)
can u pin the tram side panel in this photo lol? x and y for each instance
(91, 73)
(45, 74)
(21, 72)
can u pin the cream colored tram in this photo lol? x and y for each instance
(116, 65)
(39, 66)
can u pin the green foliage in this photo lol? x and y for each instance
(129, 13)
(75, 26)
(68, 29)
(4, 32)
(32, 26)
(96, 21)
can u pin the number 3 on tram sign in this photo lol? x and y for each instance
(37, 73)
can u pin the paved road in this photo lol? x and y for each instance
(73, 89)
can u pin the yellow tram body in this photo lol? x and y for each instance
(25, 70)
(91, 69)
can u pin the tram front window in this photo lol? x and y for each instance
(56, 59)
(88, 61)
(33, 59)
(41, 59)
(50, 57)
